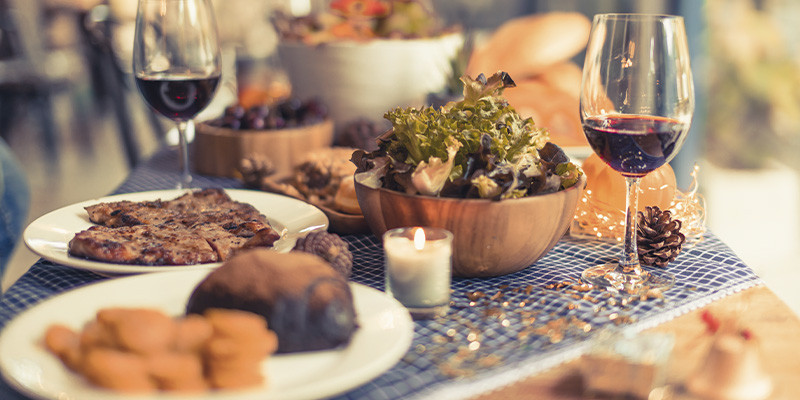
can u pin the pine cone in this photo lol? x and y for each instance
(330, 247)
(658, 237)
(254, 169)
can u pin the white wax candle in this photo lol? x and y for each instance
(418, 274)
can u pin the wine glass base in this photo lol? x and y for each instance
(185, 183)
(610, 277)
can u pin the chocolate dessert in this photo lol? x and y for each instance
(305, 301)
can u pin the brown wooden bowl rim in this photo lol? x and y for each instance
(580, 185)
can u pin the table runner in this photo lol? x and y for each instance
(498, 330)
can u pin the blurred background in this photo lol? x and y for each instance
(73, 119)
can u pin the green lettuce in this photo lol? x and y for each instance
(476, 147)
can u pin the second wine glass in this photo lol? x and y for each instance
(177, 63)
(636, 106)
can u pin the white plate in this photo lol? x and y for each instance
(383, 337)
(49, 235)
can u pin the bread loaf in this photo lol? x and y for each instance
(345, 199)
(564, 76)
(527, 46)
(550, 108)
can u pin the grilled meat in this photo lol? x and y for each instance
(207, 205)
(166, 244)
(220, 239)
(125, 213)
(206, 222)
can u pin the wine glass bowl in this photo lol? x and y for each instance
(177, 98)
(634, 145)
(176, 62)
(636, 106)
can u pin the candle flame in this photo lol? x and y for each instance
(419, 239)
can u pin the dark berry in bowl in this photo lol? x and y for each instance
(288, 113)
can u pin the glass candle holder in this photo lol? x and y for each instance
(418, 269)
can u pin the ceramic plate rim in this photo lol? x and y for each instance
(380, 318)
(48, 238)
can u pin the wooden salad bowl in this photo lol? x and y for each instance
(490, 238)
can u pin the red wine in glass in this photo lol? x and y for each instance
(178, 98)
(177, 63)
(635, 145)
(636, 104)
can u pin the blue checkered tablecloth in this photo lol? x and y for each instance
(498, 330)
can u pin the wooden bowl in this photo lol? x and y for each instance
(218, 151)
(338, 221)
(344, 224)
(490, 238)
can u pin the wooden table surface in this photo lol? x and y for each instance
(774, 327)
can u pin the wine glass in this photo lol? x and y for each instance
(636, 105)
(177, 63)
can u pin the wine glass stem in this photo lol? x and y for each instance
(630, 256)
(183, 155)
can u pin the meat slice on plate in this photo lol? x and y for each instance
(239, 225)
(207, 205)
(185, 208)
(101, 213)
(223, 242)
(215, 206)
(200, 200)
(265, 237)
(198, 227)
(108, 213)
(168, 244)
(127, 213)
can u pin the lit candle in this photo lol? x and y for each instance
(418, 263)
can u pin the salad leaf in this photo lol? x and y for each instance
(569, 173)
(477, 147)
(476, 89)
(487, 188)
(430, 176)
(374, 169)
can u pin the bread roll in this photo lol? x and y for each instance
(346, 200)
(528, 45)
(337, 159)
(564, 76)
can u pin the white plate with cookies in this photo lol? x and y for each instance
(382, 339)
